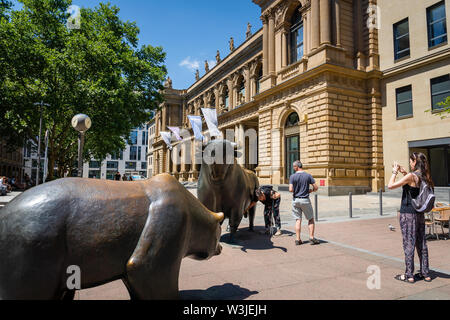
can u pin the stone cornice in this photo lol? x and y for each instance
(228, 66)
(351, 73)
(416, 63)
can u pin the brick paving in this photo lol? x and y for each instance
(260, 267)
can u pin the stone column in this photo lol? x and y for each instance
(306, 29)
(247, 84)
(164, 118)
(265, 45)
(337, 12)
(230, 94)
(315, 24)
(168, 162)
(253, 85)
(284, 47)
(360, 37)
(325, 22)
(271, 43)
(217, 97)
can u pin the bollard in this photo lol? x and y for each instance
(316, 209)
(381, 202)
(350, 205)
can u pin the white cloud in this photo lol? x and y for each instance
(212, 63)
(190, 64)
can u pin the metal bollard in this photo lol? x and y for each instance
(316, 208)
(350, 205)
(381, 202)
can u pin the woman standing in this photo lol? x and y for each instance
(412, 223)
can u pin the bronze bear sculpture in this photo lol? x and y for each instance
(135, 231)
(225, 186)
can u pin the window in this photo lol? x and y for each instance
(130, 165)
(292, 120)
(440, 90)
(133, 153)
(404, 102)
(139, 153)
(437, 24)
(95, 164)
(117, 156)
(226, 100)
(241, 94)
(94, 174)
(296, 35)
(110, 175)
(401, 39)
(144, 138)
(144, 165)
(258, 79)
(133, 137)
(112, 165)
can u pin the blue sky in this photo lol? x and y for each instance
(189, 31)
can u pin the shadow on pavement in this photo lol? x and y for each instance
(256, 240)
(225, 291)
(435, 274)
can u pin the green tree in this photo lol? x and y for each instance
(97, 69)
(444, 112)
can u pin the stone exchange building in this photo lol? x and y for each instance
(308, 82)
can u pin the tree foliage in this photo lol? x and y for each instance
(444, 112)
(97, 70)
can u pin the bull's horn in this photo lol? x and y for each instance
(219, 216)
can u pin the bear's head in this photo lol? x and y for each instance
(206, 244)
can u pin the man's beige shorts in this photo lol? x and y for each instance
(302, 205)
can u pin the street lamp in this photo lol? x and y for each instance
(81, 123)
(40, 104)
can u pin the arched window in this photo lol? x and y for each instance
(292, 120)
(292, 143)
(296, 37)
(241, 94)
(226, 99)
(259, 75)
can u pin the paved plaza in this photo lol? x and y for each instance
(262, 268)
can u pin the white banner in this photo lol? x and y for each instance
(167, 137)
(196, 123)
(212, 122)
(176, 132)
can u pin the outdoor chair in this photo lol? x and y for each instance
(442, 217)
(430, 224)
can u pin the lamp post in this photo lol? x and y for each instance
(81, 123)
(40, 104)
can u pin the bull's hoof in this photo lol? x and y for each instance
(251, 229)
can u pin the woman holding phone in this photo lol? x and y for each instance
(412, 223)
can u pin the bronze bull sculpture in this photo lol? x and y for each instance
(135, 231)
(225, 186)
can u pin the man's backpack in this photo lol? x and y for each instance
(425, 200)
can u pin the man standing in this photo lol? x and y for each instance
(299, 184)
